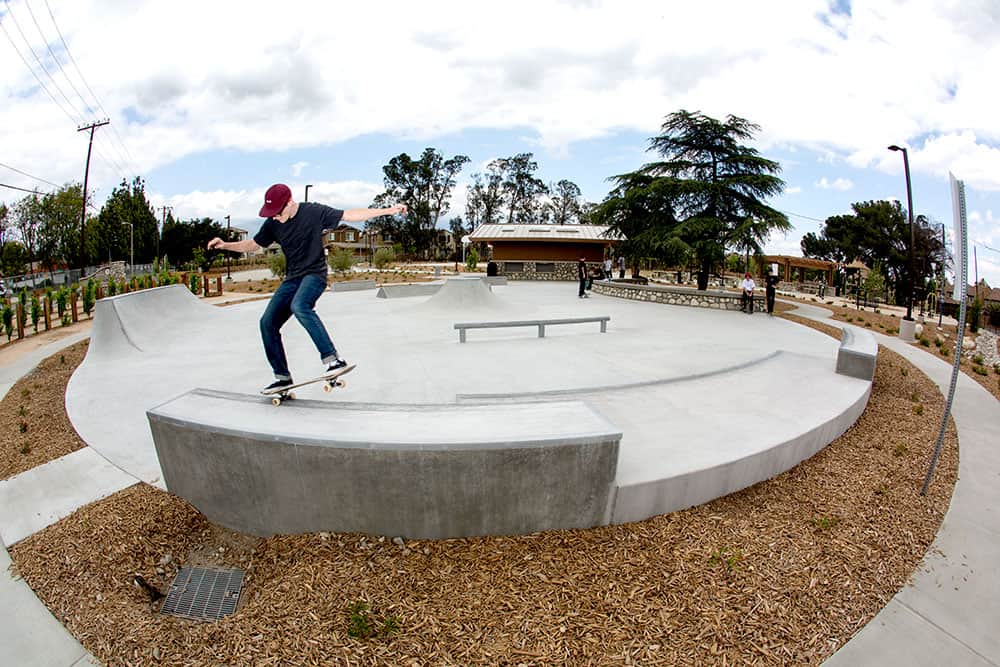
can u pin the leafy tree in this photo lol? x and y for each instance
(715, 185)
(639, 210)
(109, 235)
(5, 223)
(425, 186)
(879, 231)
(13, 258)
(182, 239)
(521, 189)
(28, 220)
(59, 235)
(484, 198)
(565, 206)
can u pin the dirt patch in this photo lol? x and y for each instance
(34, 427)
(781, 573)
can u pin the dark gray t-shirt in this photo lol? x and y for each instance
(301, 237)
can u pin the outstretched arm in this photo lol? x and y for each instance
(362, 214)
(246, 245)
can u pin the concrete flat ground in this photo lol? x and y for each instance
(695, 391)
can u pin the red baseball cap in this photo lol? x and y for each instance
(274, 200)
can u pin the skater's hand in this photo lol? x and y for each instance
(398, 208)
(215, 243)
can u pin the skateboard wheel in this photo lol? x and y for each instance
(341, 383)
(275, 401)
(291, 396)
(328, 387)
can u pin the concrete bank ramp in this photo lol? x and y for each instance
(461, 296)
(142, 321)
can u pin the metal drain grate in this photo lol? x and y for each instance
(203, 594)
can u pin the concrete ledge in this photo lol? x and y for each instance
(410, 289)
(420, 471)
(352, 285)
(857, 355)
(495, 280)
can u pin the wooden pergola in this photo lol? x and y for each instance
(788, 266)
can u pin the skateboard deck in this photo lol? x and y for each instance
(331, 380)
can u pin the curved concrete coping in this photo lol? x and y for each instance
(426, 472)
(403, 290)
(857, 354)
(352, 285)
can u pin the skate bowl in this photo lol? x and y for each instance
(696, 403)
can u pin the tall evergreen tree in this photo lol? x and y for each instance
(716, 184)
(110, 233)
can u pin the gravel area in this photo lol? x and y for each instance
(781, 573)
(34, 428)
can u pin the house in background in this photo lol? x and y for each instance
(543, 252)
(362, 243)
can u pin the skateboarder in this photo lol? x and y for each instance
(298, 228)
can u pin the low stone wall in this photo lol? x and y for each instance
(537, 270)
(675, 296)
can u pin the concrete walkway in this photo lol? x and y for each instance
(949, 611)
(29, 635)
(947, 614)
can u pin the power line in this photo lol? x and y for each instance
(24, 173)
(97, 100)
(10, 13)
(31, 69)
(799, 215)
(14, 187)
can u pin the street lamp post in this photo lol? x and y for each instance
(229, 275)
(307, 191)
(131, 250)
(944, 257)
(909, 212)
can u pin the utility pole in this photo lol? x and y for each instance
(83, 212)
(229, 275)
(159, 232)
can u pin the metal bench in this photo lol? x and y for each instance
(541, 324)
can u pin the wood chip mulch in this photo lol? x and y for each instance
(781, 573)
(34, 427)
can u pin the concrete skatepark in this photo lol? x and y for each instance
(670, 408)
(946, 614)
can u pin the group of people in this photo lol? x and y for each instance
(586, 276)
(747, 286)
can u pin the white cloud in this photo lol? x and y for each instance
(841, 184)
(298, 167)
(794, 190)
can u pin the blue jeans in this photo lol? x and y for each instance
(297, 297)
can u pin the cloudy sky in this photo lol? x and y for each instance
(211, 102)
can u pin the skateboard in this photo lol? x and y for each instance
(330, 380)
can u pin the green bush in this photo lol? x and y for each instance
(61, 298)
(472, 259)
(36, 311)
(195, 283)
(341, 261)
(278, 265)
(384, 257)
(975, 311)
(7, 315)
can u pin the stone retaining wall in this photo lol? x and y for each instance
(537, 270)
(675, 296)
